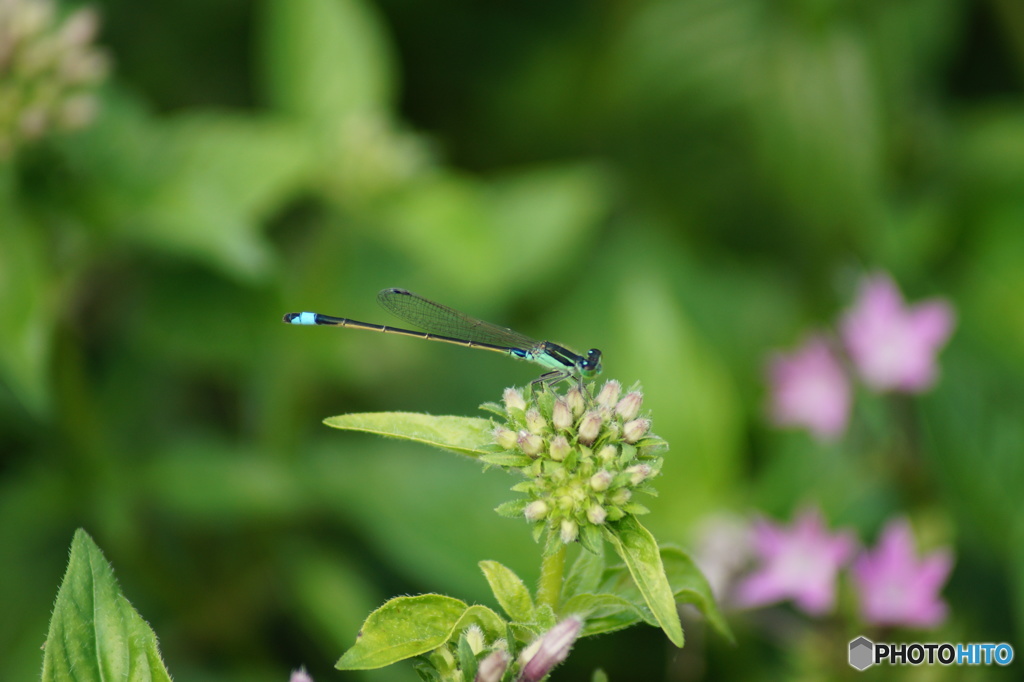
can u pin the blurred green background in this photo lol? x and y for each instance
(685, 184)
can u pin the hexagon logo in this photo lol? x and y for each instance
(862, 653)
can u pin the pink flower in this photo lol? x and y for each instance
(893, 346)
(897, 589)
(798, 563)
(810, 389)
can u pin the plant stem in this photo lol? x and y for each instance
(552, 569)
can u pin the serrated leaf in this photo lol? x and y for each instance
(510, 591)
(640, 552)
(464, 435)
(494, 408)
(512, 509)
(402, 628)
(95, 634)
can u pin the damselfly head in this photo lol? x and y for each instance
(591, 366)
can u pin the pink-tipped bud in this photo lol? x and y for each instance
(535, 422)
(638, 473)
(513, 400)
(492, 668)
(569, 531)
(596, 514)
(300, 675)
(505, 438)
(554, 648)
(609, 394)
(559, 448)
(536, 510)
(590, 428)
(600, 481)
(635, 430)
(629, 407)
(561, 415)
(574, 397)
(531, 444)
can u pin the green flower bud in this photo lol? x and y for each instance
(569, 531)
(559, 448)
(475, 638)
(636, 429)
(505, 438)
(590, 428)
(620, 497)
(607, 455)
(513, 400)
(561, 415)
(530, 443)
(629, 407)
(596, 514)
(574, 397)
(638, 473)
(536, 510)
(535, 422)
(609, 394)
(600, 481)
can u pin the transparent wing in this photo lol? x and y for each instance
(444, 321)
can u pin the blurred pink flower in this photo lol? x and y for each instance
(893, 346)
(809, 389)
(798, 563)
(300, 675)
(897, 589)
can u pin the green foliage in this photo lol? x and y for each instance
(95, 634)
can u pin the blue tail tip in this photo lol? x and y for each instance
(299, 318)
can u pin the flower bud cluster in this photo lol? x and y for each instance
(49, 69)
(584, 454)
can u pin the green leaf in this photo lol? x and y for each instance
(639, 551)
(512, 509)
(691, 587)
(585, 574)
(591, 538)
(95, 634)
(326, 59)
(464, 435)
(509, 590)
(402, 628)
(467, 659)
(493, 625)
(604, 613)
(411, 626)
(505, 459)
